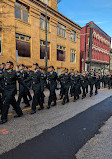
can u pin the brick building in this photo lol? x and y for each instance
(111, 60)
(95, 48)
(22, 32)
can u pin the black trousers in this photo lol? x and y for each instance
(52, 96)
(36, 99)
(22, 94)
(96, 87)
(87, 88)
(10, 100)
(91, 89)
(65, 93)
(83, 91)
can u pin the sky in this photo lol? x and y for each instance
(84, 11)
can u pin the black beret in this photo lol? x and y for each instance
(51, 67)
(22, 65)
(26, 67)
(10, 62)
(35, 64)
(2, 63)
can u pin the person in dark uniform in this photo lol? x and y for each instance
(71, 89)
(91, 79)
(65, 82)
(87, 82)
(10, 76)
(52, 85)
(36, 86)
(22, 91)
(109, 77)
(83, 84)
(97, 82)
(61, 89)
(28, 83)
(43, 84)
(2, 69)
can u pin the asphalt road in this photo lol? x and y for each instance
(63, 139)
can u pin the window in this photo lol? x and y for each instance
(0, 46)
(43, 49)
(61, 53)
(21, 11)
(73, 35)
(61, 30)
(42, 22)
(88, 40)
(72, 56)
(45, 1)
(87, 53)
(23, 45)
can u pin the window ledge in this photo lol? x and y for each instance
(61, 36)
(44, 30)
(22, 21)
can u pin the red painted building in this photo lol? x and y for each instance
(95, 49)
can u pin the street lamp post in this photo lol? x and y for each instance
(46, 40)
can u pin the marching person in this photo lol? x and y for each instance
(43, 84)
(65, 83)
(36, 86)
(22, 91)
(52, 85)
(10, 76)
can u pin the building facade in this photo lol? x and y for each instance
(95, 49)
(22, 34)
(111, 60)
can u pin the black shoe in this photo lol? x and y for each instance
(3, 121)
(54, 104)
(63, 103)
(26, 106)
(41, 108)
(48, 107)
(77, 97)
(82, 97)
(18, 116)
(96, 93)
(33, 112)
(90, 95)
(74, 100)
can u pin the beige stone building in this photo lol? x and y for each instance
(22, 34)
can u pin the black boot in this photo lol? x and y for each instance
(33, 112)
(48, 107)
(3, 121)
(54, 104)
(41, 108)
(18, 116)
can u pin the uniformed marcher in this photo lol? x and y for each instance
(65, 78)
(43, 84)
(23, 92)
(97, 82)
(2, 69)
(91, 80)
(52, 85)
(83, 84)
(10, 76)
(28, 83)
(36, 86)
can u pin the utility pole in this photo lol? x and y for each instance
(46, 40)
